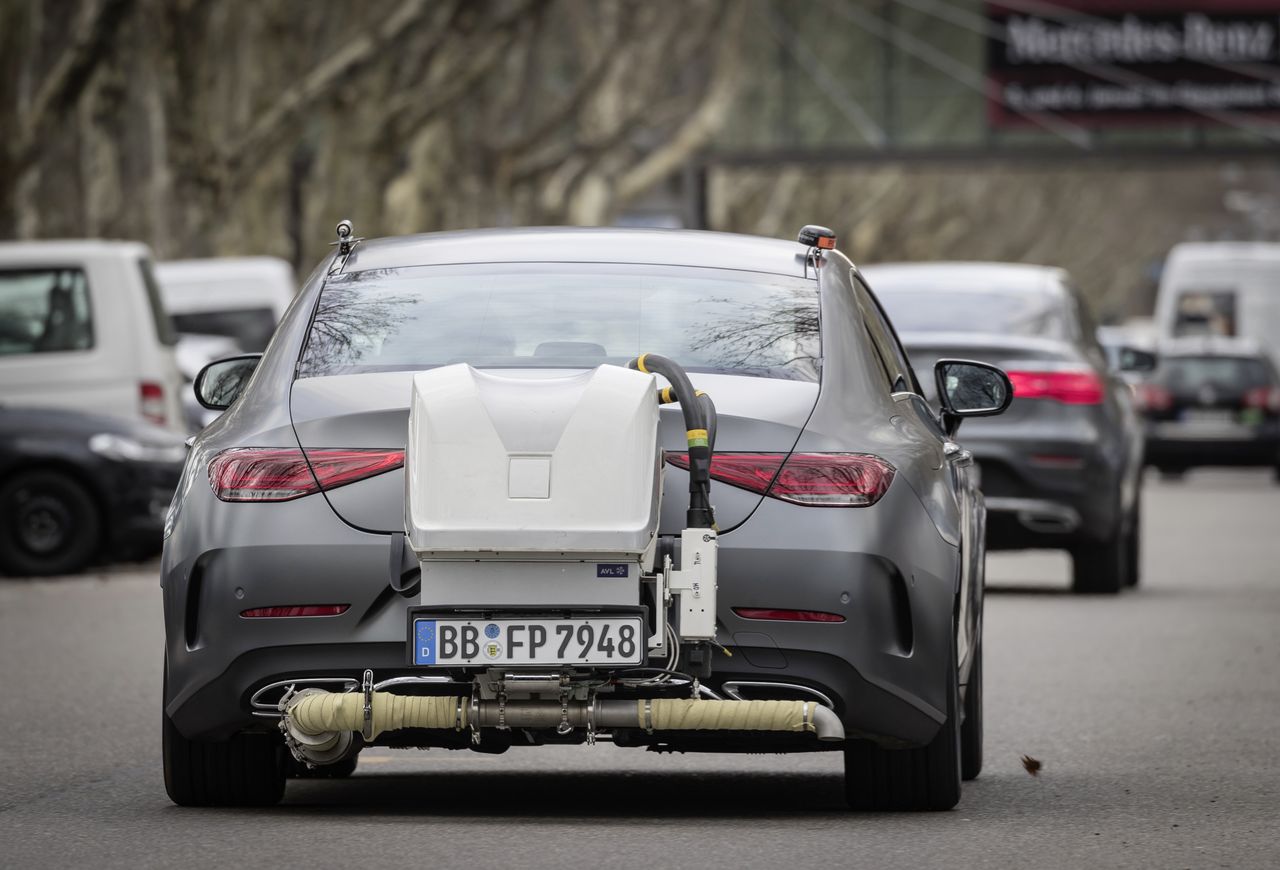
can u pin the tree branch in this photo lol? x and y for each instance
(70, 73)
(702, 124)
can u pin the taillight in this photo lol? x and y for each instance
(1263, 398)
(295, 610)
(811, 479)
(283, 473)
(151, 402)
(787, 615)
(1068, 387)
(1153, 397)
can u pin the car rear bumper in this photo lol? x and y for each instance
(1047, 493)
(884, 667)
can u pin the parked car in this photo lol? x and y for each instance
(1212, 401)
(1229, 289)
(76, 487)
(1061, 469)
(82, 327)
(850, 532)
(241, 298)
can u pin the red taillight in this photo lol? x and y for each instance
(811, 479)
(151, 402)
(787, 615)
(295, 610)
(1263, 398)
(1068, 387)
(283, 473)
(1153, 397)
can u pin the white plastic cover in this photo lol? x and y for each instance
(521, 465)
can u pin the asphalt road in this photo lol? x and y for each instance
(1154, 714)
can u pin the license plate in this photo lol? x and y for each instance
(1208, 417)
(595, 640)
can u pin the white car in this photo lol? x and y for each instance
(82, 327)
(241, 298)
(1221, 288)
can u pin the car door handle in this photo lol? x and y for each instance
(955, 452)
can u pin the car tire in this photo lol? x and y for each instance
(246, 771)
(49, 524)
(971, 727)
(1133, 544)
(922, 779)
(1100, 568)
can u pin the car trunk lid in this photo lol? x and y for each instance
(371, 410)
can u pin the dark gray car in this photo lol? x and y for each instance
(851, 534)
(1060, 470)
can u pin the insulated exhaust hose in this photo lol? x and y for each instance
(316, 714)
(699, 417)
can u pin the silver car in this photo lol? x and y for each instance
(850, 566)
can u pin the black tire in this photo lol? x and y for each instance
(49, 524)
(971, 728)
(246, 771)
(927, 778)
(1100, 568)
(1133, 544)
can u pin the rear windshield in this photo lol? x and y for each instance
(250, 327)
(1007, 313)
(557, 316)
(1223, 373)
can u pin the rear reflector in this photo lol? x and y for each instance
(1153, 397)
(284, 473)
(295, 610)
(787, 615)
(810, 479)
(151, 402)
(1068, 387)
(1263, 398)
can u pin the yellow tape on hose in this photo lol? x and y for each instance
(640, 363)
(697, 437)
(666, 396)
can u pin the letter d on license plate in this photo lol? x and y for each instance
(596, 640)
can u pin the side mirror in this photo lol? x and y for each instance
(970, 389)
(220, 382)
(1131, 359)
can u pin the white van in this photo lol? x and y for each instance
(82, 327)
(241, 298)
(1221, 288)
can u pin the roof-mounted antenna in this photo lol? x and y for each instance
(816, 239)
(346, 241)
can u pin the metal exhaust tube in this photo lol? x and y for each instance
(314, 718)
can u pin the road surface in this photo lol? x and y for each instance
(1154, 715)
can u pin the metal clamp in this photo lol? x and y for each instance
(648, 716)
(564, 727)
(366, 687)
(475, 714)
(502, 711)
(591, 722)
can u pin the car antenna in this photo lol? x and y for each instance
(347, 240)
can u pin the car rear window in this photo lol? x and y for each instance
(561, 316)
(44, 311)
(1224, 373)
(250, 327)
(1005, 312)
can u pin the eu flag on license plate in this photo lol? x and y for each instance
(424, 642)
